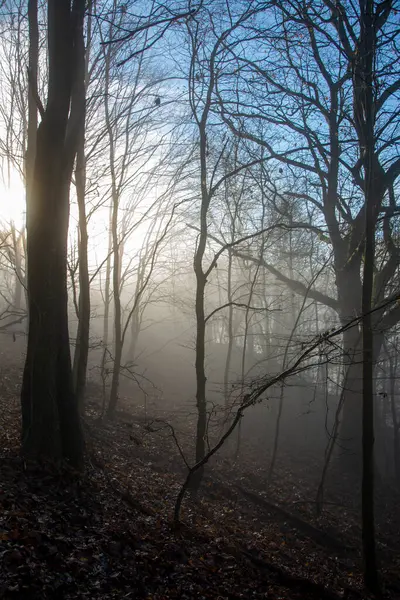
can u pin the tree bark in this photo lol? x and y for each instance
(106, 315)
(230, 341)
(33, 62)
(32, 90)
(364, 86)
(117, 358)
(82, 336)
(51, 424)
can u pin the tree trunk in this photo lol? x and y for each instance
(136, 316)
(106, 316)
(364, 65)
(112, 406)
(33, 63)
(281, 395)
(134, 336)
(116, 250)
(32, 89)
(51, 424)
(201, 379)
(392, 409)
(230, 342)
(82, 336)
(201, 282)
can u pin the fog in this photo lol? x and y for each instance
(199, 242)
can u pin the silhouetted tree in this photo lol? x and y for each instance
(50, 418)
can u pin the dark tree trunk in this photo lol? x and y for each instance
(106, 315)
(365, 122)
(201, 282)
(393, 412)
(32, 88)
(115, 245)
(33, 59)
(230, 341)
(118, 341)
(200, 369)
(82, 337)
(51, 424)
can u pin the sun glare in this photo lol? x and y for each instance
(12, 200)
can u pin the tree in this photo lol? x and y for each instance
(253, 396)
(14, 116)
(392, 360)
(365, 123)
(206, 59)
(311, 134)
(82, 336)
(130, 111)
(50, 418)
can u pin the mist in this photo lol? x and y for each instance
(199, 297)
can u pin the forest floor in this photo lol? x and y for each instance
(109, 534)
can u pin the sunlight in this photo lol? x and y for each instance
(12, 200)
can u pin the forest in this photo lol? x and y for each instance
(200, 299)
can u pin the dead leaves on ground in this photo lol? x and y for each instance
(108, 535)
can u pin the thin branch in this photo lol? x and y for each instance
(241, 305)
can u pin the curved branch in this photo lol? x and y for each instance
(240, 305)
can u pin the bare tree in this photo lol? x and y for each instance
(82, 337)
(130, 105)
(309, 115)
(51, 424)
(364, 116)
(255, 395)
(206, 59)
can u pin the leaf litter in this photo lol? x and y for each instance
(108, 533)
